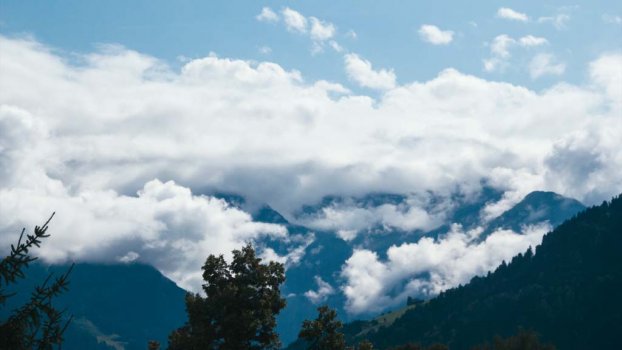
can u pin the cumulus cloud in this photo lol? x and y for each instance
(164, 225)
(434, 35)
(86, 138)
(267, 15)
(361, 71)
(294, 20)
(322, 293)
(428, 267)
(321, 30)
(545, 64)
(508, 13)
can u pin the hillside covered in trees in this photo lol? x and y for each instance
(567, 291)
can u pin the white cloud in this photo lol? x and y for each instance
(323, 292)
(517, 184)
(508, 13)
(317, 30)
(295, 253)
(294, 20)
(350, 219)
(321, 30)
(164, 225)
(361, 71)
(351, 34)
(500, 50)
(267, 15)
(434, 35)
(545, 64)
(88, 140)
(501, 44)
(129, 257)
(494, 64)
(606, 72)
(530, 40)
(335, 46)
(559, 20)
(428, 267)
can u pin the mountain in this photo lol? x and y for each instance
(567, 291)
(325, 256)
(113, 306)
(537, 207)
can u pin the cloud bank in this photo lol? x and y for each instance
(98, 138)
(164, 225)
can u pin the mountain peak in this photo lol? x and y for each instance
(268, 215)
(537, 207)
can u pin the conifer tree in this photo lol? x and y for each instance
(37, 324)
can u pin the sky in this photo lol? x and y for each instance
(126, 117)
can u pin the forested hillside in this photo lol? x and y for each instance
(567, 291)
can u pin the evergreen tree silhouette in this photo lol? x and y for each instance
(36, 324)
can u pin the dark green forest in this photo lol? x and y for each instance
(567, 291)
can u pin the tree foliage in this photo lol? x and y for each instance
(239, 309)
(365, 345)
(323, 333)
(412, 346)
(524, 340)
(36, 324)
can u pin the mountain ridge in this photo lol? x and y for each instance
(573, 277)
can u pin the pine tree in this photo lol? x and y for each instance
(37, 324)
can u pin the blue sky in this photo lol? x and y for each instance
(386, 33)
(125, 117)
